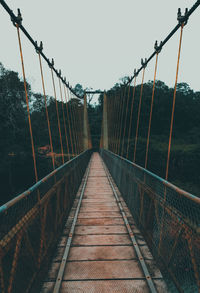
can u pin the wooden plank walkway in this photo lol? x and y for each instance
(102, 257)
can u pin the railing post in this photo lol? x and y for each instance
(105, 123)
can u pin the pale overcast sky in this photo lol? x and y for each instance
(96, 42)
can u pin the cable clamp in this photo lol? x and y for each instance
(135, 73)
(182, 19)
(51, 64)
(17, 20)
(158, 48)
(58, 73)
(38, 48)
(128, 79)
(144, 62)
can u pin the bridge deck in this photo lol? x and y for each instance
(102, 257)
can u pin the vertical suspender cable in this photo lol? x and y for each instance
(47, 114)
(109, 118)
(77, 118)
(150, 117)
(80, 124)
(64, 121)
(130, 121)
(75, 127)
(138, 119)
(117, 122)
(170, 137)
(122, 114)
(114, 121)
(111, 121)
(173, 106)
(72, 121)
(27, 104)
(125, 118)
(58, 119)
(101, 138)
(76, 114)
(68, 118)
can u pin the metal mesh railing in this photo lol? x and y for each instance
(31, 223)
(168, 217)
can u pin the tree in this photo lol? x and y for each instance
(13, 115)
(124, 80)
(15, 139)
(78, 89)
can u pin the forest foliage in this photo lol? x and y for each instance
(16, 169)
(185, 156)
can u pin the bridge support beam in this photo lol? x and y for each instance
(104, 141)
(86, 133)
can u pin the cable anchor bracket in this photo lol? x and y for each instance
(51, 63)
(17, 20)
(182, 19)
(157, 47)
(135, 73)
(144, 63)
(38, 48)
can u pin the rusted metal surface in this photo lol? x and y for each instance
(100, 230)
(105, 286)
(100, 253)
(30, 229)
(168, 218)
(69, 240)
(101, 256)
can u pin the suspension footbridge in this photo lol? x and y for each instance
(99, 222)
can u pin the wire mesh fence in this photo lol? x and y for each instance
(31, 223)
(168, 217)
